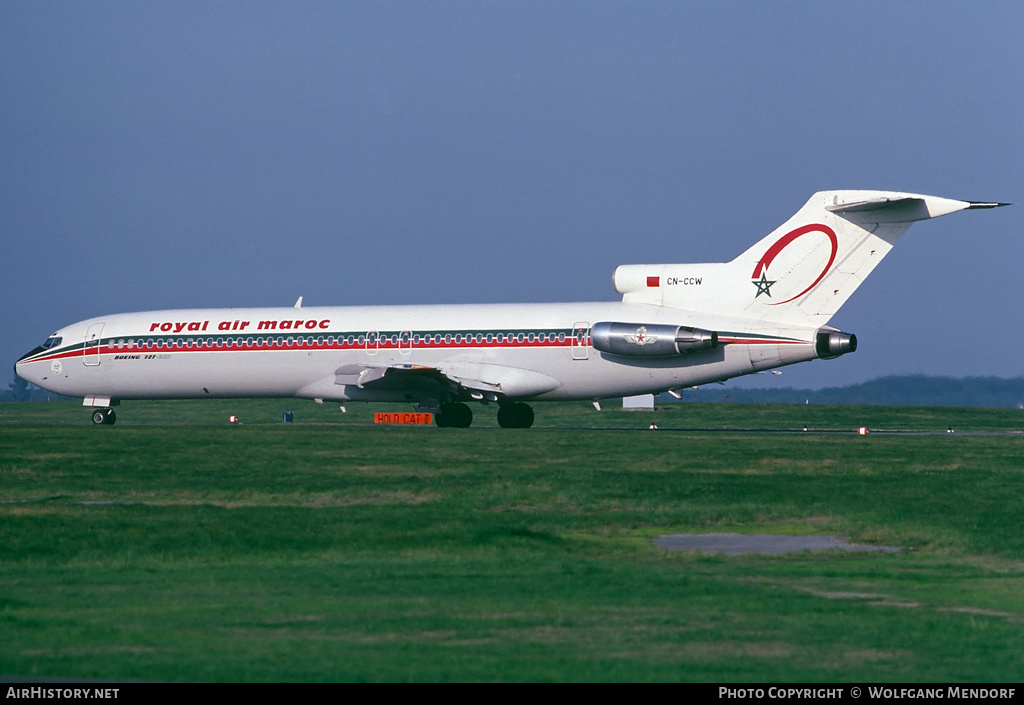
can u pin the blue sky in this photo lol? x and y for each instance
(172, 155)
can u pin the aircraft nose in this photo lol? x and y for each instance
(21, 368)
(27, 355)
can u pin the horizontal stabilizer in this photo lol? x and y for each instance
(904, 208)
(868, 205)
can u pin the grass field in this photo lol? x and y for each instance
(174, 546)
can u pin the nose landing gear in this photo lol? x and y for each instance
(104, 417)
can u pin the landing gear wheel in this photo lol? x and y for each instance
(442, 419)
(455, 415)
(515, 415)
(104, 417)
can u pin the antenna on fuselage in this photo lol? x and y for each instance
(298, 303)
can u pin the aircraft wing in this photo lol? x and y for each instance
(460, 379)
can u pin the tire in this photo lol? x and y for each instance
(463, 416)
(524, 414)
(506, 417)
(516, 415)
(104, 417)
(455, 415)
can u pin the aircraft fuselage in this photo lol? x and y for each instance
(529, 351)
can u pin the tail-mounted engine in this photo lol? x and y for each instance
(650, 339)
(833, 343)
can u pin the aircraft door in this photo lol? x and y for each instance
(580, 340)
(405, 342)
(372, 341)
(91, 349)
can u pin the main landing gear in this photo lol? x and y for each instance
(454, 415)
(459, 415)
(104, 417)
(515, 415)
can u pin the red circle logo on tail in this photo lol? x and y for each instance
(760, 275)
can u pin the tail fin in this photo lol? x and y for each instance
(803, 271)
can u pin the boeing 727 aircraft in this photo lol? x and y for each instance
(678, 325)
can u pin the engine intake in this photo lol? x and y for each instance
(650, 339)
(833, 343)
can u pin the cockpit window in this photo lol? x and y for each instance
(52, 342)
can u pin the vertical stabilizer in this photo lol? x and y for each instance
(801, 273)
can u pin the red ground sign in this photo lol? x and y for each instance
(403, 417)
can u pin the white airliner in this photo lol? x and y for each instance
(678, 325)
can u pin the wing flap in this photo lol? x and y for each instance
(458, 378)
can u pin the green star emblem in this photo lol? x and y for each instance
(763, 285)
